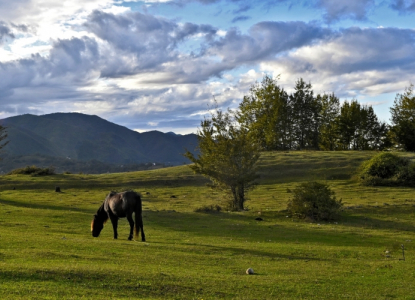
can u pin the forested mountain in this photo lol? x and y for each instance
(80, 137)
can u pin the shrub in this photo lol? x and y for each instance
(209, 209)
(387, 169)
(314, 200)
(406, 175)
(33, 170)
(384, 165)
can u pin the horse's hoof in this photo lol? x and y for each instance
(130, 238)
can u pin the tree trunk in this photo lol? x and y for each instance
(241, 197)
(235, 198)
(238, 193)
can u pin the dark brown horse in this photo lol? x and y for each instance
(119, 205)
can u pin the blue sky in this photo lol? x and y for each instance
(159, 64)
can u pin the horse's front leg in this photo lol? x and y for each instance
(131, 221)
(114, 221)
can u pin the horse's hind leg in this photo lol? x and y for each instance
(140, 223)
(131, 221)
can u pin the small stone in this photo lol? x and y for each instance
(250, 271)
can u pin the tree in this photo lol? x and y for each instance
(228, 156)
(305, 115)
(359, 128)
(371, 134)
(330, 109)
(403, 118)
(266, 112)
(383, 137)
(347, 124)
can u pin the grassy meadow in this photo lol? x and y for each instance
(47, 250)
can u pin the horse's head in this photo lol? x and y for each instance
(96, 226)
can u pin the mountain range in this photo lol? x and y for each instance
(81, 138)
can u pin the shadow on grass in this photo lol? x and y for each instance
(115, 285)
(44, 206)
(96, 182)
(376, 218)
(253, 252)
(240, 227)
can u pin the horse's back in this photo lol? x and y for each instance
(123, 204)
(132, 199)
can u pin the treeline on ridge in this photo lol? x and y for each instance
(302, 120)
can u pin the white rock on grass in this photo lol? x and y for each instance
(250, 271)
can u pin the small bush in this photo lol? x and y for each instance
(384, 165)
(406, 175)
(33, 171)
(387, 169)
(209, 209)
(315, 201)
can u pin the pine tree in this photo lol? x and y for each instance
(305, 110)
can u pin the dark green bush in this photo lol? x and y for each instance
(387, 169)
(406, 175)
(314, 200)
(33, 170)
(384, 165)
(209, 209)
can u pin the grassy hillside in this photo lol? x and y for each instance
(47, 251)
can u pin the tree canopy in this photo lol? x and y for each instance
(302, 120)
(228, 155)
(403, 118)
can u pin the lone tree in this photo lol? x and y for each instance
(228, 156)
(403, 118)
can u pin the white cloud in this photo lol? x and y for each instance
(145, 70)
(354, 61)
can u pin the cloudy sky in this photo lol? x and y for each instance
(159, 64)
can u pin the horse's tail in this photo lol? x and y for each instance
(139, 219)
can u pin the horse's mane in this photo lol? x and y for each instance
(102, 214)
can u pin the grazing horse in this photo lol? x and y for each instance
(119, 205)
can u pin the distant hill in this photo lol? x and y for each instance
(80, 137)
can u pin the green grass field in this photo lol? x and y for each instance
(47, 250)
